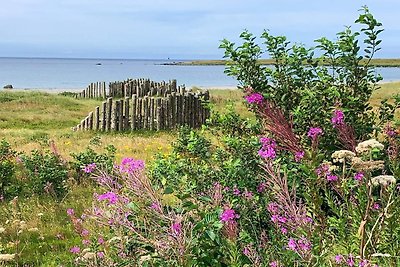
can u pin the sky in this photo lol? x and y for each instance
(176, 29)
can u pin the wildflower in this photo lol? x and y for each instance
(337, 118)
(110, 196)
(304, 244)
(176, 228)
(254, 98)
(130, 165)
(75, 250)
(85, 232)
(34, 229)
(228, 215)
(273, 264)
(155, 206)
(284, 230)
(371, 165)
(261, 187)
(342, 155)
(70, 212)
(85, 242)
(363, 263)
(359, 176)
(246, 251)
(89, 168)
(338, 259)
(298, 156)
(100, 254)
(2, 230)
(314, 132)
(7, 257)
(100, 240)
(383, 180)
(236, 191)
(292, 244)
(376, 206)
(247, 194)
(331, 178)
(368, 145)
(350, 260)
(268, 148)
(273, 208)
(389, 131)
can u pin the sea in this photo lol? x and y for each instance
(72, 74)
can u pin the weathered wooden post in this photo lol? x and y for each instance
(109, 113)
(90, 121)
(121, 115)
(97, 118)
(104, 116)
(151, 114)
(146, 112)
(126, 115)
(134, 113)
(159, 114)
(139, 113)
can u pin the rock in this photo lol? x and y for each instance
(8, 86)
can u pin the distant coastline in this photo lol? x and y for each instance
(378, 62)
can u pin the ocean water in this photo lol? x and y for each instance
(78, 73)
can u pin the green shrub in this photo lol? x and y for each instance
(7, 169)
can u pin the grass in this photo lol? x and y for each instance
(28, 120)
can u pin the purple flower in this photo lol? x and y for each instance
(299, 156)
(85, 242)
(130, 165)
(273, 264)
(176, 228)
(304, 244)
(246, 251)
(331, 178)
(261, 187)
(314, 132)
(228, 215)
(85, 232)
(268, 148)
(236, 191)
(376, 206)
(359, 176)
(292, 244)
(100, 240)
(337, 118)
(155, 206)
(254, 98)
(70, 212)
(350, 260)
(75, 250)
(363, 263)
(89, 168)
(273, 208)
(100, 254)
(110, 196)
(284, 230)
(338, 259)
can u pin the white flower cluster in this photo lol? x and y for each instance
(370, 165)
(342, 155)
(383, 180)
(7, 257)
(368, 145)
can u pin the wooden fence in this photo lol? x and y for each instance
(148, 112)
(139, 87)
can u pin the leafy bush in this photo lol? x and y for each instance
(307, 88)
(7, 169)
(47, 172)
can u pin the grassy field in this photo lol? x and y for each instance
(37, 228)
(378, 62)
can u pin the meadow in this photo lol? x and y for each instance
(37, 228)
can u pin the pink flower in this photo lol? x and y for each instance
(89, 168)
(70, 212)
(254, 98)
(236, 191)
(299, 156)
(261, 187)
(376, 206)
(155, 206)
(85, 232)
(337, 118)
(338, 259)
(273, 264)
(100, 254)
(268, 148)
(332, 178)
(358, 176)
(110, 196)
(304, 244)
(100, 240)
(75, 250)
(363, 263)
(176, 228)
(130, 165)
(350, 261)
(85, 242)
(314, 132)
(228, 215)
(273, 208)
(292, 244)
(284, 230)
